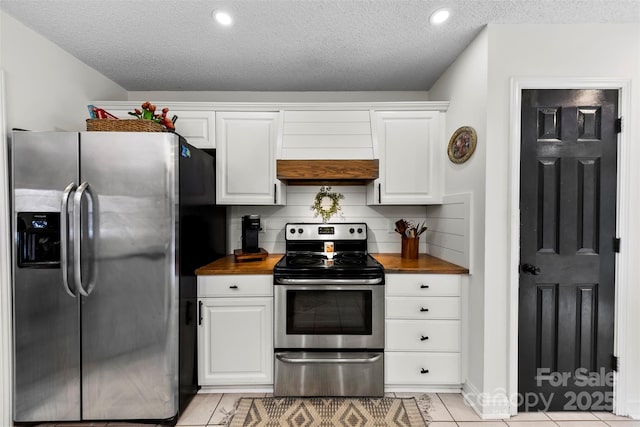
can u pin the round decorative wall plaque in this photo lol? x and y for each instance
(462, 144)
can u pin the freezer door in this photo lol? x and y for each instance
(46, 327)
(129, 318)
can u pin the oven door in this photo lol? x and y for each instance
(341, 314)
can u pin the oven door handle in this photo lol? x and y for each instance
(284, 281)
(297, 360)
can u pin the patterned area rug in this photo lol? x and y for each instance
(327, 412)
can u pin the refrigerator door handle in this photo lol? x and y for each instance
(77, 236)
(64, 237)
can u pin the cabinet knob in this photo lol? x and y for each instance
(423, 338)
(424, 371)
(233, 287)
(422, 309)
(424, 286)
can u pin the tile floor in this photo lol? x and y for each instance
(447, 410)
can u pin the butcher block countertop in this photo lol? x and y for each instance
(393, 263)
(425, 264)
(228, 265)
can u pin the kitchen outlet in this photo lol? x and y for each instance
(263, 226)
(391, 227)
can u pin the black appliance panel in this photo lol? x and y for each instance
(38, 239)
(329, 312)
(250, 230)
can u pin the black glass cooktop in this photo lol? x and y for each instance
(317, 251)
(319, 265)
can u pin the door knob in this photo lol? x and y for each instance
(531, 269)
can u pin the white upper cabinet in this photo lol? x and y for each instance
(410, 147)
(407, 138)
(196, 126)
(245, 158)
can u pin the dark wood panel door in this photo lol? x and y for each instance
(567, 262)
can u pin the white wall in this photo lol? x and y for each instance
(45, 88)
(380, 219)
(448, 229)
(478, 87)
(5, 268)
(224, 96)
(574, 51)
(464, 84)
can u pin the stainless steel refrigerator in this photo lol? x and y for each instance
(108, 229)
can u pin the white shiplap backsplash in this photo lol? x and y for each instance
(380, 219)
(449, 229)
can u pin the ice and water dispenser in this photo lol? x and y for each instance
(38, 239)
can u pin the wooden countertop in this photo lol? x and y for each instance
(426, 264)
(392, 263)
(228, 265)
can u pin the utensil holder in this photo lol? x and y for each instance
(410, 247)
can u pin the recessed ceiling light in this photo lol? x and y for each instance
(439, 16)
(223, 18)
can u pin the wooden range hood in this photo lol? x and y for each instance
(327, 172)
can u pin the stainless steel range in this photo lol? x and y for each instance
(329, 313)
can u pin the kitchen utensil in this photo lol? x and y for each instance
(401, 226)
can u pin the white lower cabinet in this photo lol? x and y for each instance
(422, 368)
(423, 332)
(235, 334)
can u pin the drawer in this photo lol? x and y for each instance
(421, 368)
(423, 308)
(427, 335)
(426, 285)
(235, 285)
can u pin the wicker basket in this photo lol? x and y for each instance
(135, 125)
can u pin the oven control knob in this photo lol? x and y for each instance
(359, 230)
(352, 230)
(300, 230)
(292, 231)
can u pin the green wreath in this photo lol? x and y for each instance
(322, 200)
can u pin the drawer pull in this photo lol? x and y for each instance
(422, 309)
(424, 371)
(423, 338)
(424, 286)
(233, 287)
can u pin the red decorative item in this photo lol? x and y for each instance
(148, 113)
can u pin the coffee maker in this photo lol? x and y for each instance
(250, 230)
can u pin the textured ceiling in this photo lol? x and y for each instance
(286, 45)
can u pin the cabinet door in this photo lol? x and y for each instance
(245, 158)
(197, 127)
(410, 153)
(235, 341)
